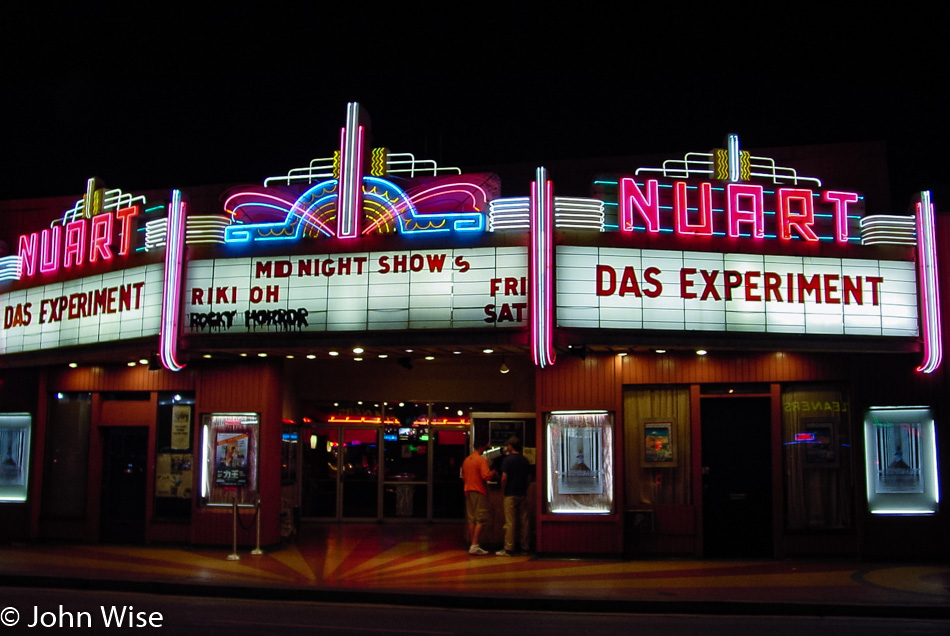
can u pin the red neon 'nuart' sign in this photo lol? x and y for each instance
(740, 209)
(82, 240)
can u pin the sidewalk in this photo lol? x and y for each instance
(427, 565)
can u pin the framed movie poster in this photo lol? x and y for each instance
(230, 458)
(901, 461)
(580, 470)
(658, 444)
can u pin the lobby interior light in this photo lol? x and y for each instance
(73, 365)
(701, 352)
(488, 351)
(357, 350)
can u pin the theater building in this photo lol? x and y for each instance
(729, 353)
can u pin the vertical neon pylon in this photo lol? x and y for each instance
(540, 270)
(350, 200)
(171, 289)
(929, 288)
(732, 148)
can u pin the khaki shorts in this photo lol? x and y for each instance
(476, 508)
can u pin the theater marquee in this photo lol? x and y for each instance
(613, 288)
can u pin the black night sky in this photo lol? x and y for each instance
(174, 95)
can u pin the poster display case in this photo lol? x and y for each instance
(14, 456)
(580, 470)
(230, 444)
(901, 461)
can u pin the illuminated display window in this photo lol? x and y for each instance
(580, 468)
(901, 457)
(229, 458)
(14, 456)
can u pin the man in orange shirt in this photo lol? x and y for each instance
(475, 472)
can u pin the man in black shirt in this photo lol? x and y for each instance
(515, 476)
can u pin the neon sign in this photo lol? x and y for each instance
(741, 207)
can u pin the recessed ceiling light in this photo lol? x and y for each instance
(430, 357)
(701, 352)
(207, 355)
(132, 364)
(289, 356)
(357, 350)
(243, 355)
(143, 361)
(384, 355)
(334, 353)
(488, 351)
(311, 356)
(357, 359)
(262, 355)
(73, 365)
(661, 350)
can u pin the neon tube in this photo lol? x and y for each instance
(929, 287)
(540, 269)
(171, 289)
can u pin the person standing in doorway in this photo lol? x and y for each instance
(475, 474)
(515, 476)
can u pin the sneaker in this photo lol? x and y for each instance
(477, 550)
(504, 553)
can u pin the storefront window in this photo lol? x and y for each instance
(174, 460)
(14, 455)
(657, 441)
(66, 465)
(819, 490)
(229, 458)
(901, 461)
(580, 462)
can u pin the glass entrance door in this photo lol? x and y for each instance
(412, 473)
(359, 473)
(339, 473)
(450, 447)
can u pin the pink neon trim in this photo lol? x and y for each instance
(648, 205)
(171, 297)
(541, 249)
(100, 237)
(49, 250)
(929, 285)
(736, 193)
(841, 200)
(75, 243)
(681, 213)
(801, 221)
(27, 252)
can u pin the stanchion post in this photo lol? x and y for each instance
(257, 549)
(234, 556)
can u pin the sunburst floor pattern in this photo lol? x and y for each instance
(431, 560)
